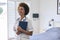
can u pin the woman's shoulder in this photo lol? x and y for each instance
(17, 19)
(28, 19)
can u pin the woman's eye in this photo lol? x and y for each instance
(21, 9)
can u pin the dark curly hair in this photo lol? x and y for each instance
(25, 6)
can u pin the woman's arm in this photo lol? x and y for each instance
(27, 32)
(24, 31)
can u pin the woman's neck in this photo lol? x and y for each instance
(22, 17)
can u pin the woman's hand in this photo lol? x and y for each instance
(18, 33)
(19, 29)
(23, 31)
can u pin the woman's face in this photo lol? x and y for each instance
(21, 11)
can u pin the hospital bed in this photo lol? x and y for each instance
(50, 34)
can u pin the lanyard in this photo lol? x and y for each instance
(24, 20)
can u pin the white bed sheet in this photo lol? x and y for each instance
(51, 34)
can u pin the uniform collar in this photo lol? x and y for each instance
(23, 19)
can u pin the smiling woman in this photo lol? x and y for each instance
(1, 10)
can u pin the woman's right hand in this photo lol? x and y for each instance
(18, 33)
(19, 29)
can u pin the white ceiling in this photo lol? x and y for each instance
(19, 0)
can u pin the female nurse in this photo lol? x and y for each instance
(22, 34)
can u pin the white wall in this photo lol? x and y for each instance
(35, 7)
(48, 11)
(3, 20)
(11, 18)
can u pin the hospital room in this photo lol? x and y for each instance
(43, 19)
